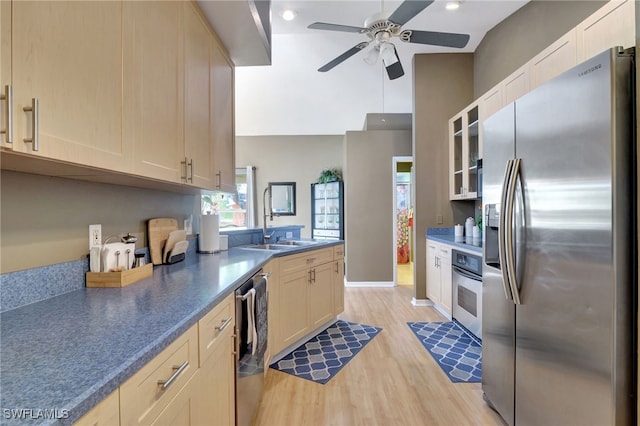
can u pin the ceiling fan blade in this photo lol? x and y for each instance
(337, 27)
(392, 63)
(407, 10)
(435, 38)
(346, 55)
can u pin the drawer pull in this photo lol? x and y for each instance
(8, 113)
(311, 260)
(178, 370)
(225, 324)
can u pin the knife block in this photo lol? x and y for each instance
(118, 279)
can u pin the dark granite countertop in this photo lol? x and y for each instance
(65, 354)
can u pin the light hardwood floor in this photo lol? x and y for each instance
(392, 381)
(405, 274)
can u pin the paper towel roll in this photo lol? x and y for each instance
(209, 233)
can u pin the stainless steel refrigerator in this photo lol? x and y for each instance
(559, 202)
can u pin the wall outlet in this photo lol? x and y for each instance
(288, 235)
(95, 235)
(439, 219)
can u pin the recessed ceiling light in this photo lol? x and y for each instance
(288, 15)
(452, 5)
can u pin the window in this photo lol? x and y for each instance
(232, 208)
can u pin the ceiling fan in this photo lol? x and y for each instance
(381, 27)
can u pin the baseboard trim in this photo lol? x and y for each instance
(442, 311)
(421, 302)
(369, 284)
(286, 351)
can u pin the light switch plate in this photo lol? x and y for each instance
(288, 235)
(439, 219)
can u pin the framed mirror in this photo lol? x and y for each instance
(283, 198)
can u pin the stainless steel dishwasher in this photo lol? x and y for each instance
(251, 346)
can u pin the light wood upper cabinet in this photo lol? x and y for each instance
(68, 56)
(516, 85)
(198, 108)
(554, 60)
(153, 108)
(464, 151)
(222, 77)
(5, 71)
(612, 25)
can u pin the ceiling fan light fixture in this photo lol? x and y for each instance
(289, 15)
(388, 54)
(372, 56)
(452, 5)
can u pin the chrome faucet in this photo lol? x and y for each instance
(266, 237)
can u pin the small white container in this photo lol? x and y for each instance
(224, 242)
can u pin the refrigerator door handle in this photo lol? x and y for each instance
(508, 224)
(502, 231)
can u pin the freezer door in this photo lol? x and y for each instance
(573, 337)
(498, 321)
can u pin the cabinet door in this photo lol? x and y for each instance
(456, 157)
(182, 410)
(433, 273)
(293, 308)
(273, 291)
(554, 60)
(444, 266)
(612, 25)
(222, 78)
(338, 287)
(216, 402)
(198, 137)
(106, 413)
(517, 84)
(5, 69)
(68, 55)
(320, 296)
(153, 108)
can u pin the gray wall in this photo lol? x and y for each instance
(524, 34)
(443, 86)
(369, 202)
(44, 220)
(297, 159)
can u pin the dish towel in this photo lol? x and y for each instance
(252, 335)
(261, 320)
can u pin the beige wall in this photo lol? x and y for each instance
(297, 159)
(44, 220)
(369, 202)
(443, 86)
(523, 35)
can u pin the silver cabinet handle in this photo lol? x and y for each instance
(178, 370)
(225, 324)
(314, 275)
(35, 124)
(183, 167)
(309, 276)
(8, 113)
(190, 165)
(219, 176)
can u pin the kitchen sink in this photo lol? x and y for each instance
(270, 246)
(295, 243)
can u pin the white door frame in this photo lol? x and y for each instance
(395, 160)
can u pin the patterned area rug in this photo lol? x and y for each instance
(458, 354)
(325, 354)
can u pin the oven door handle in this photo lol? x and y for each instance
(466, 274)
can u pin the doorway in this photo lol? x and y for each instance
(404, 248)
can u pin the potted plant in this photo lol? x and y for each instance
(330, 175)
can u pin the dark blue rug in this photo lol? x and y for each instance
(325, 354)
(457, 353)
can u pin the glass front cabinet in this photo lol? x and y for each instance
(465, 150)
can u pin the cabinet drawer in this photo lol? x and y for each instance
(142, 398)
(302, 261)
(338, 252)
(445, 251)
(212, 327)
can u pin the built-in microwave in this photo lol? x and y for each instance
(479, 175)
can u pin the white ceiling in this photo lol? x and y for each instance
(291, 97)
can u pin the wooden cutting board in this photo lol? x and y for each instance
(158, 230)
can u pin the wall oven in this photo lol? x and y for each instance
(251, 338)
(467, 291)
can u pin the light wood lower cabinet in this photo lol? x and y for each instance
(308, 293)
(184, 408)
(439, 279)
(106, 413)
(144, 400)
(216, 396)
